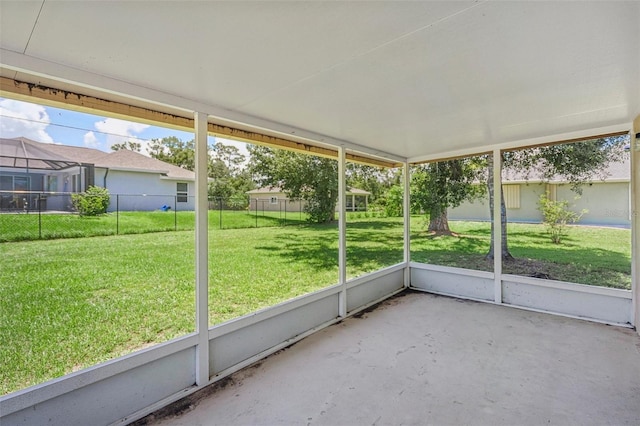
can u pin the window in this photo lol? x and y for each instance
(511, 196)
(182, 192)
(6, 183)
(21, 183)
(75, 183)
(273, 200)
(51, 183)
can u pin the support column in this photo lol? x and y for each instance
(342, 231)
(497, 228)
(202, 251)
(406, 201)
(635, 221)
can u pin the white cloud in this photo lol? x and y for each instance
(90, 140)
(119, 131)
(24, 119)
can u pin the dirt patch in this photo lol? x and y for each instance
(531, 268)
(393, 300)
(188, 403)
(185, 404)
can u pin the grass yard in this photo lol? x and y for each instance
(70, 303)
(588, 255)
(32, 226)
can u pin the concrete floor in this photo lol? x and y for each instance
(422, 359)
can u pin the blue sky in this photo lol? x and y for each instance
(66, 127)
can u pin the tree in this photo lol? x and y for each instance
(230, 156)
(393, 201)
(226, 166)
(577, 163)
(504, 246)
(376, 180)
(174, 151)
(129, 145)
(230, 179)
(436, 187)
(300, 176)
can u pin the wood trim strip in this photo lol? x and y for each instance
(58, 98)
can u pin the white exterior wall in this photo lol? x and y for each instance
(607, 203)
(142, 191)
(263, 201)
(479, 209)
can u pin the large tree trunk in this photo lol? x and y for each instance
(438, 221)
(332, 215)
(504, 249)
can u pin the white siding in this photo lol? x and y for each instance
(143, 191)
(608, 204)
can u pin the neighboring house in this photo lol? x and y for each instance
(606, 200)
(274, 199)
(135, 181)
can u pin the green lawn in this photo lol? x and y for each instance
(69, 303)
(32, 226)
(588, 255)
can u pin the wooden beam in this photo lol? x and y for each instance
(88, 104)
(58, 98)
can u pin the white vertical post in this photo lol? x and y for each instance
(406, 203)
(342, 232)
(497, 225)
(635, 221)
(202, 251)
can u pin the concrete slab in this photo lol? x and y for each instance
(425, 359)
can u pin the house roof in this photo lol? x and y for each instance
(134, 161)
(619, 171)
(79, 154)
(118, 160)
(277, 190)
(21, 153)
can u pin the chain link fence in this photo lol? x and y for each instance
(47, 215)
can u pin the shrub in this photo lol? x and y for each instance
(556, 216)
(393, 202)
(238, 202)
(93, 202)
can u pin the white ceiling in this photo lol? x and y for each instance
(413, 79)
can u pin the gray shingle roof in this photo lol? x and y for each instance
(614, 172)
(134, 161)
(121, 160)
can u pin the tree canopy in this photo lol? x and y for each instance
(129, 145)
(227, 169)
(576, 163)
(300, 176)
(446, 184)
(174, 151)
(436, 187)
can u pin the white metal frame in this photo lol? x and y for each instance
(111, 392)
(634, 138)
(202, 249)
(209, 354)
(610, 306)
